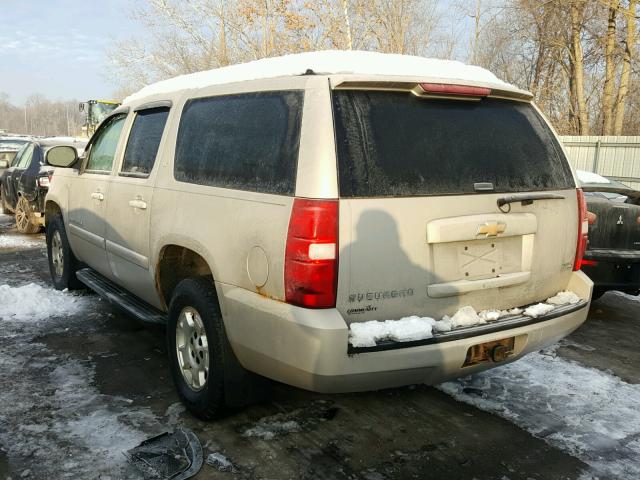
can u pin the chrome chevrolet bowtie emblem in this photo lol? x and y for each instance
(491, 229)
(620, 222)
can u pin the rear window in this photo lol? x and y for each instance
(397, 144)
(245, 142)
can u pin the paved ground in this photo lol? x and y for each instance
(80, 383)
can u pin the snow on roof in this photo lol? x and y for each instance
(590, 177)
(326, 62)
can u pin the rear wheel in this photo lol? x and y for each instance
(26, 221)
(195, 336)
(62, 262)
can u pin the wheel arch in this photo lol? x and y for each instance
(176, 262)
(51, 208)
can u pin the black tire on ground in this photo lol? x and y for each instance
(26, 221)
(597, 293)
(198, 294)
(63, 271)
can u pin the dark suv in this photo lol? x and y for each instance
(25, 183)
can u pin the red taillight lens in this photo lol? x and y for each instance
(583, 223)
(463, 90)
(588, 263)
(44, 181)
(311, 257)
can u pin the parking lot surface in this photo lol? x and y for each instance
(82, 383)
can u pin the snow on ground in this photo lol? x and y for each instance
(18, 241)
(269, 428)
(590, 414)
(407, 329)
(326, 62)
(33, 303)
(83, 433)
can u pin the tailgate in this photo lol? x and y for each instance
(420, 228)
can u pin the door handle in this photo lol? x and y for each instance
(141, 204)
(97, 196)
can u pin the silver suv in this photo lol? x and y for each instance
(334, 221)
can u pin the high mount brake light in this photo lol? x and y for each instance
(455, 90)
(311, 256)
(583, 226)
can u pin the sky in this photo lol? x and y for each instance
(58, 48)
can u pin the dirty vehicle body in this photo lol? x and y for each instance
(612, 258)
(24, 185)
(278, 211)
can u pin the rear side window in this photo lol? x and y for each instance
(144, 141)
(246, 142)
(397, 144)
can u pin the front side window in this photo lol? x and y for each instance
(103, 148)
(25, 159)
(245, 142)
(144, 141)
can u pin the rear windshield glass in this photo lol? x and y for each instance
(245, 142)
(397, 144)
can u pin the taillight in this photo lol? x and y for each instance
(311, 256)
(583, 226)
(447, 89)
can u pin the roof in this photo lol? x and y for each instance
(325, 63)
(55, 141)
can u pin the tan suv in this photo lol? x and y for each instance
(334, 221)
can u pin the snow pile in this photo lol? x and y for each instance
(538, 309)
(564, 298)
(587, 413)
(327, 62)
(408, 329)
(33, 303)
(366, 334)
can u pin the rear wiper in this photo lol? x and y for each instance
(527, 198)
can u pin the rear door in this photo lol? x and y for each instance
(421, 232)
(15, 173)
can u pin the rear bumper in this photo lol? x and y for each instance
(309, 348)
(619, 270)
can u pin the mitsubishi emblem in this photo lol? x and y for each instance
(620, 222)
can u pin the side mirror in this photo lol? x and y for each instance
(4, 164)
(62, 156)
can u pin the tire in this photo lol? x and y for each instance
(63, 270)
(597, 293)
(25, 219)
(194, 300)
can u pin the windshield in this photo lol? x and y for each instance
(397, 144)
(12, 143)
(100, 111)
